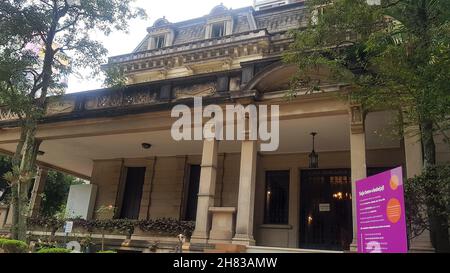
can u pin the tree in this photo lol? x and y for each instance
(394, 55)
(5, 166)
(41, 42)
(56, 191)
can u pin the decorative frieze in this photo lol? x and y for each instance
(7, 114)
(120, 98)
(60, 106)
(198, 90)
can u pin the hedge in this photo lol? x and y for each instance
(54, 250)
(13, 246)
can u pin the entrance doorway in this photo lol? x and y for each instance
(192, 193)
(132, 196)
(326, 209)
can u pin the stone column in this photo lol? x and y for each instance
(206, 191)
(246, 198)
(358, 159)
(36, 194)
(414, 164)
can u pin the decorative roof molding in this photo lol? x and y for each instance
(219, 10)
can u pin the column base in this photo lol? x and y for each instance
(421, 244)
(199, 238)
(354, 247)
(418, 249)
(243, 239)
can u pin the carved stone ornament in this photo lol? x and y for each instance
(119, 99)
(7, 114)
(196, 90)
(137, 98)
(60, 107)
(357, 117)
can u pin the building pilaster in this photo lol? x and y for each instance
(414, 164)
(358, 160)
(38, 190)
(206, 191)
(246, 198)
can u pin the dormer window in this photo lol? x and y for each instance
(160, 41)
(218, 30)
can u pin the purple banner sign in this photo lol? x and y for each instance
(380, 212)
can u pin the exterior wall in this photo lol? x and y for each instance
(167, 187)
(164, 189)
(288, 235)
(107, 176)
(230, 180)
(442, 149)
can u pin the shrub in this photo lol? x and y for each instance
(166, 226)
(13, 246)
(430, 193)
(54, 250)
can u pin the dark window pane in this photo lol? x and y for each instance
(133, 193)
(160, 41)
(277, 198)
(218, 30)
(192, 198)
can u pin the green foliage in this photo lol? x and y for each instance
(56, 192)
(394, 55)
(5, 166)
(431, 187)
(54, 38)
(53, 250)
(41, 44)
(13, 246)
(115, 77)
(107, 252)
(167, 226)
(164, 226)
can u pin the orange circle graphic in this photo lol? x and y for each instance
(394, 210)
(394, 182)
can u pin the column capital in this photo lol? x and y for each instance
(357, 118)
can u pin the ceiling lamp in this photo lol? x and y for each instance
(313, 156)
(146, 146)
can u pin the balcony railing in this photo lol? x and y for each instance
(249, 35)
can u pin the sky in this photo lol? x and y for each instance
(124, 43)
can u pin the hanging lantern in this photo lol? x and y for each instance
(313, 156)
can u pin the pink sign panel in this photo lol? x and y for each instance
(380, 212)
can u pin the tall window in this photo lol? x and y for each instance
(218, 30)
(192, 193)
(160, 41)
(277, 198)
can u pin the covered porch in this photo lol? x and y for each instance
(234, 193)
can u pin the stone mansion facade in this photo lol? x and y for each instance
(119, 139)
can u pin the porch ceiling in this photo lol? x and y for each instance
(76, 155)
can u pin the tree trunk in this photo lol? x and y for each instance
(26, 174)
(14, 188)
(438, 224)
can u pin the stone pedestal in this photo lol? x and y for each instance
(222, 228)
